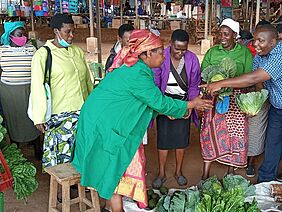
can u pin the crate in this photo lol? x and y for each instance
(6, 179)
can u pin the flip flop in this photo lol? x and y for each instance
(181, 180)
(158, 182)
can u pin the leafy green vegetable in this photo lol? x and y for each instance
(251, 103)
(192, 198)
(225, 69)
(212, 187)
(234, 181)
(23, 172)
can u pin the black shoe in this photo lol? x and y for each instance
(279, 177)
(250, 171)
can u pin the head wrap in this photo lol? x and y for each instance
(9, 27)
(139, 41)
(233, 25)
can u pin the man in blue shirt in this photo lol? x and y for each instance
(268, 63)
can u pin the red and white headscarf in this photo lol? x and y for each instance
(139, 41)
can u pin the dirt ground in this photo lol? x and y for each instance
(192, 168)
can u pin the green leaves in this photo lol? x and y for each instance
(251, 103)
(23, 172)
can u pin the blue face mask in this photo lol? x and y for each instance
(62, 42)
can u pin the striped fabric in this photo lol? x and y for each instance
(16, 64)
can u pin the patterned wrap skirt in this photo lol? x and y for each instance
(59, 138)
(133, 182)
(224, 137)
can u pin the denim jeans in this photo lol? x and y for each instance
(273, 146)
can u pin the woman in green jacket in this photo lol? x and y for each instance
(114, 119)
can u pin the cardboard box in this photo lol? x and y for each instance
(77, 19)
(175, 25)
(82, 26)
(115, 23)
(205, 46)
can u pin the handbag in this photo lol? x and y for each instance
(47, 86)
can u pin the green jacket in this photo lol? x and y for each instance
(112, 123)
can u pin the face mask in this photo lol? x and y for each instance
(19, 41)
(62, 42)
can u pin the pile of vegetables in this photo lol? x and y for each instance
(212, 196)
(153, 197)
(225, 69)
(251, 103)
(23, 172)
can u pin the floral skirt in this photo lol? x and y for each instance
(133, 184)
(224, 138)
(59, 138)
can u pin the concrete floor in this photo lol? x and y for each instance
(192, 168)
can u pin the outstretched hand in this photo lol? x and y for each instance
(211, 88)
(200, 104)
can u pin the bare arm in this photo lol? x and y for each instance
(242, 81)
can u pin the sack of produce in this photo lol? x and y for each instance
(251, 103)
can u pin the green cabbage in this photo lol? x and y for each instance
(224, 70)
(251, 103)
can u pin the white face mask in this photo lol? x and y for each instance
(62, 41)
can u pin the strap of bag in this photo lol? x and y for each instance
(178, 79)
(48, 66)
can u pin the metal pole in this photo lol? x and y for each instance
(91, 18)
(61, 6)
(257, 12)
(211, 16)
(247, 9)
(31, 15)
(121, 12)
(267, 9)
(206, 18)
(98, 22)
(252, 17)
(136, 13)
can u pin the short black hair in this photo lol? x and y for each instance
(180, 35)
(279, 28)
(262, 22)
(245, 35)
(59, 19)
(268, 28)
(124, 28)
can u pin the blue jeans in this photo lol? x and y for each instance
(273, 146)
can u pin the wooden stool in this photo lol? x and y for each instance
(66, 175)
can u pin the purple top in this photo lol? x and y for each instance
(193, 72)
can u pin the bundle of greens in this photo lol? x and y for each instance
(226, 69)
(251, 103)
(23, 172)
(185, 201)
(227, 198)
(212, 196)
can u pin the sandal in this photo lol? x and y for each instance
(181, 180)
(158, 182)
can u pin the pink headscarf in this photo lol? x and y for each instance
(139, 41)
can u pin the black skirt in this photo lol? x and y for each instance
(172, 134)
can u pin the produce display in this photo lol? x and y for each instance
(226, 69)
(251, 103)
(212, 196)
(23, 172)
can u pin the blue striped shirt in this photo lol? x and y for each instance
(16, 64)
(272, 64)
